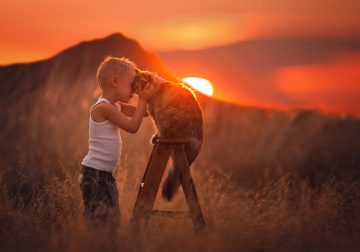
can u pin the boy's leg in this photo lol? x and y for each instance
(110, 201)
(88, 187)
(101, 202)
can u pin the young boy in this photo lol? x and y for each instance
(107, 116)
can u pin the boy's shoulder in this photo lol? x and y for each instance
(103, 105)
(97, 112)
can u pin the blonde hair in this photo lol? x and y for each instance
(113, 66)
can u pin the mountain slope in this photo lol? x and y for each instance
(46, 109)
(74, 64)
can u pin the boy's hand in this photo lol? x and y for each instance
(147, 92)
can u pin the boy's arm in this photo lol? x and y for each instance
(129, 110)
(111, 112)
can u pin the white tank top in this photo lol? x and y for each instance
(104, 143)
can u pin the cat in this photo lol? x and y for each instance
(175, 113)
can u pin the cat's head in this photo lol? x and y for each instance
(141, 79)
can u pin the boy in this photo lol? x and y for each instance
(107, 115)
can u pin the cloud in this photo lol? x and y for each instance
(332, 86)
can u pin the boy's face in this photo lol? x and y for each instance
(123, 85)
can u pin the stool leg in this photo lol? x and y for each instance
(135, 222)
(147, 194)
(189, 187)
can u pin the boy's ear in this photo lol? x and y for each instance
(114, 80)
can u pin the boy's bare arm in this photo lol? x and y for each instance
(130, 125)
(129, 110)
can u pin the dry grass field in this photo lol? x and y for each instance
(267, 181)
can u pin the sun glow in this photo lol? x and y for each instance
(200, 84)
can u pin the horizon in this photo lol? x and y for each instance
(281, 78)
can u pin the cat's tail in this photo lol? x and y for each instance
(172, 181)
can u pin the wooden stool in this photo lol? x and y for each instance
(151, 180)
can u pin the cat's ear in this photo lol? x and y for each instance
(156, 78)
(142, 77)
(146, 77)
(136, 84)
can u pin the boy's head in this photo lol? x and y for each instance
(115, 76)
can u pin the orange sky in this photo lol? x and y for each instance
(37, 29)
(332, 87)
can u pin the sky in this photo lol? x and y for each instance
(37, 29)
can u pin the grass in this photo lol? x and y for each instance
(263, 182)
(282, 215)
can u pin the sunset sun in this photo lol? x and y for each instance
(200, 84)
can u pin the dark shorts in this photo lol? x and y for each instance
(100, 197)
